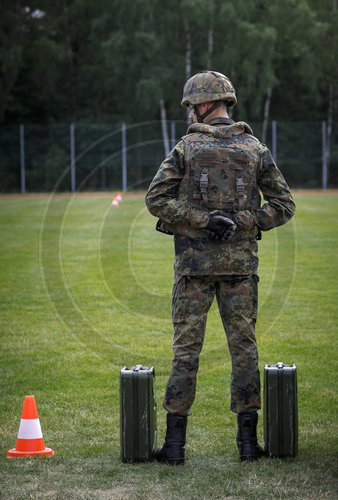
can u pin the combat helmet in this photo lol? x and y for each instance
(208, 86)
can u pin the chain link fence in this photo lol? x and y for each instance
(35, 158)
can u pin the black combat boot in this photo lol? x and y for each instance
(247, 444)
(172, 451)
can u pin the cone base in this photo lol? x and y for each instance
(15, 453)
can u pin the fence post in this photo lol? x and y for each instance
(22, 159)
(164, 128)
(103, 172)
(173, 134)
(324, 156)
(72, 157)
(274, 140)
(46, 175)
(124, 158)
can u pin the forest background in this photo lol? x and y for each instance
(113, 61)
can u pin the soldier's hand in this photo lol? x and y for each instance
(221, 225)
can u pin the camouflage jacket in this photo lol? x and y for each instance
(172, 197)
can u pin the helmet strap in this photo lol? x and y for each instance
(200, 118)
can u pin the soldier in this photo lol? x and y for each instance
(207, 193)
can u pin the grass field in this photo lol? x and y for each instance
(85, 290)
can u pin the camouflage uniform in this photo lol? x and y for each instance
(238, 167)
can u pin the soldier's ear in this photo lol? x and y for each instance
(203, 107)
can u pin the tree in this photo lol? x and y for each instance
(116, 61)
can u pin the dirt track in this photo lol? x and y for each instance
(69, 195)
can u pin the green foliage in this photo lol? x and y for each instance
(10, 58)
(85, 290)
(113, 60)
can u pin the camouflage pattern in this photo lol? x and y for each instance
(231, 151)
(204, 268)
(208, 86)
(237, 304)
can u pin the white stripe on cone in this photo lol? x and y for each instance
(30, 429)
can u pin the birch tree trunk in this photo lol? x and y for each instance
(187, 49)
(332, 101)
(266, 114)
(211, 35)
(232, 78)
(164, 128)
(210, 47)
(187, 55)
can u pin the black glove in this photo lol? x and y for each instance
(221, 225)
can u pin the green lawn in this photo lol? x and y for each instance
(85, 290)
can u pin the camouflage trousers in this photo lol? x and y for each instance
(237, 303)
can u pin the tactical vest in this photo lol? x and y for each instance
(221, 165)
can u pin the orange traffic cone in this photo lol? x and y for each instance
(30, 440)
